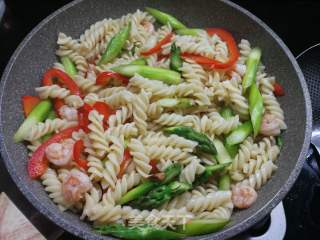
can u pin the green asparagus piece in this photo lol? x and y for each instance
(171, 173)
(115, 45)
(222, 154)
(204, 143)
(255, 108)
(239, 134)
(232, 149)
(209, 171)
(175, 58)
(224, 183)
(177, 103)
(137, 192)
(165, 75)
(226, 112)
(279, 141)
(38, 114)
(69, 66)
(202, 226)
(190, 31)
(139, 61)
(142, 232)
(160, 195)
(252, 67)
(165, 18)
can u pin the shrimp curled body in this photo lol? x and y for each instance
(243, 196)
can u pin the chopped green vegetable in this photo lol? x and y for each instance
(222, 154)
(139, 61)
(202, 226)
(69, 66)
(232, 149)
(38, 114)
(171, 173)
(160, 195)
(141, 232)
(115, 45)
(226, 112)
(175, 58)
(164, 75)
(165, 18)
(190, 31)
(209, 171)
(137, 192)
(255, 108)
(178, 103)
(224, 183)
(252, 68)
(204, 143)
(279, 141)
(239, 134)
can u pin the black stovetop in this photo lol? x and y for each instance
(296, 22)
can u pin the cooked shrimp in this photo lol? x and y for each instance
(60, 154)
(270, 126)
(243, 196)
(148, 26)
(75, 185)
(68, 113)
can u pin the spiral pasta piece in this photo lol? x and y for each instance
(53, 91)
(216, 124)
(54, 187)
(159, 139)
(121, 116)
(96, 135)
(114, 158)
(188, 174)
(261, 176)
(173, 119)
(140, 107)
(140, 157)
(208, 203)
(127, 130)
(86, 84)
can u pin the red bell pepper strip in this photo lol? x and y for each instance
(57, 104)
(278, 89)
(157, 47)
(56, 76)
(78, 148)
(153, 163)
(127, 158)
(83, 117)
(104, 109)
(29, 102)
(104, 78)
(215, 64)
(38, 163)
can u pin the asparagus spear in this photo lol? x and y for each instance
(252, 67)
(139, 61)
(115, 45)
(202, 226)
(38, 114)
(160, 195)
(165, 18)
(239, 134)
(175, 58)
(204, 143)
(164, 75)
(69, 66)
(222, 154)
(279, 141)
(190, 31)
(140, 191)
(226, 112)
(255, 108)
(224, 182)
(177, 103)
(143, 232)
(208, 172)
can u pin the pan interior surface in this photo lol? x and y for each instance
(37, 53)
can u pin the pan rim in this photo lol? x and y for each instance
(227, 233)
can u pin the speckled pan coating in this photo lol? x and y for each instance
(36, 53)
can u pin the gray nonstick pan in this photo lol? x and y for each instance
(37, 52)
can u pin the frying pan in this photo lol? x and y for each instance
(36, 53)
